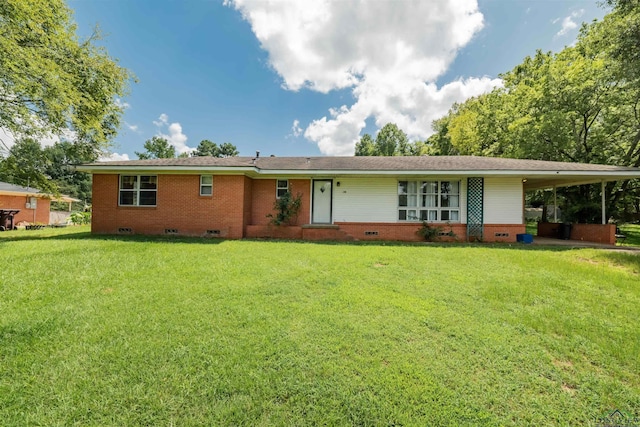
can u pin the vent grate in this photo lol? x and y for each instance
(501, 234)
(370, 233)
(170, 231)
(125, 230)
(213, 232)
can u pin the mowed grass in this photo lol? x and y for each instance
(116, 331)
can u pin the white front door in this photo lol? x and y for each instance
(322, 197)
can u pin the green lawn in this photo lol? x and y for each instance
(632, 231)
(128, 331)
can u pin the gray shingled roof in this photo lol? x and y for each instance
(5, 186)
(373, 163)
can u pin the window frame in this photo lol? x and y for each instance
(278, 187)
(203, 185)
(413, 196)
(137, 190)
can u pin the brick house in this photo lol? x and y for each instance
(34, 205)
(343, 198)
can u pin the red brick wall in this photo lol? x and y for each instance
(264, 195)
(407, 231)
(179, 206)
(18, 202)
(597, 233)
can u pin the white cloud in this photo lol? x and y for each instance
(7, 139)
(131, 127)
(389, 53)
(162, 120)
(568, 22)
(121, 104)
(174, 136)
(296, 130)
(113, 157)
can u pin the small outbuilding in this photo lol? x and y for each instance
(33, 205)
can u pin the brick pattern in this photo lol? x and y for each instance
(179, 206)
(43, 206)
(264, 195)
(598, 233)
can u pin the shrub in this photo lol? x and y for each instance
(287, 208)
(80, 218)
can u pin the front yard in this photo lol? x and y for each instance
(159, 331)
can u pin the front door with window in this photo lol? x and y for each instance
(322, 196)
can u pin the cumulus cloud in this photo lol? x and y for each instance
(568, 22)
(388, 53)
(121, 104)
(162, 120)
(131, 127)
(113, 157)
(296, 130)
(172, 132)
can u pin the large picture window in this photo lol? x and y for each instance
(138, 190)
(429, 201)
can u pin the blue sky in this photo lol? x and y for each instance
(309, 78)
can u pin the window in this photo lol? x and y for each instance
(138, 190)
(206, 185)
(429, 200)
(282, 186)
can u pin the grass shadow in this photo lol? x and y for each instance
(87, 235)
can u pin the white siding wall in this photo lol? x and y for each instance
(503, 201)
(376, 199)
(365, 200)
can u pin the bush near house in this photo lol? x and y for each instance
(138, 330)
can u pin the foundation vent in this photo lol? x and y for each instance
(370, 233)
(501, 235)
(213, 232)
(170, 231)
(125, 230)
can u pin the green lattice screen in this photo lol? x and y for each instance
(475, 201)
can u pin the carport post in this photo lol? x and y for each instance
(555, 205)
(604, 216)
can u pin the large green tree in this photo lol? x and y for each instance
(209, 148)
(52, 82)
(157, 148)
(581, 104)
(390, 141)
(26, 165)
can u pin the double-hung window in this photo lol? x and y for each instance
(429, 200)
(282, 186)
(206, 185)
(138, 190)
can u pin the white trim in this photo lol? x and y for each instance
(137, 191)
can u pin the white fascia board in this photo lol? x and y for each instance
(254, 172)
(196, 170)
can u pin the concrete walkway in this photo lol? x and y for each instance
(547, 241)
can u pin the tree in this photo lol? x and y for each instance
(390, 141)
(366, 146)
(62, 157)
(52, 82)
(208, 148)
(157, 148)
(26, 165)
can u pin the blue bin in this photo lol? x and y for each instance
(524, 238)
